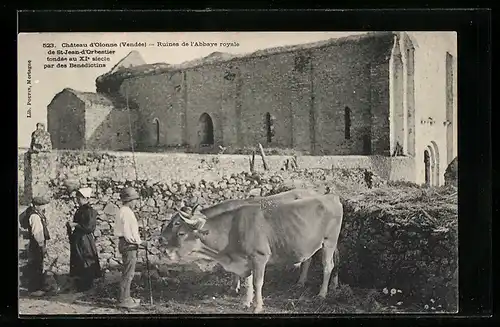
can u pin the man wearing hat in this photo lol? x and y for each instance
(129, 240)
(84, 258)
(38, 237)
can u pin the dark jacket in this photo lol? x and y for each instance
(84, 258)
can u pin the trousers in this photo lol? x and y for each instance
(129, 258)
(35, 266)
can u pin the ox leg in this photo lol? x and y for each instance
(304, 269)
(328, 264)
(259, 267)
(235, 287)
(249, 294)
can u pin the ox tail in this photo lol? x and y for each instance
(336, 266)
(336, 253)
(336, 259)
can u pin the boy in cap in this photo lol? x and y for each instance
(129, 240)
(38, 237)
(84, 258)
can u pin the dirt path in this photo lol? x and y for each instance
(209, 296)
(57, 306)
(69, 304)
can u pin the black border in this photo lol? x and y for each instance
(474, 89)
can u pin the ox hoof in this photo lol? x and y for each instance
(247, 304)
(300, 284)
(257, 310)
(321, 295)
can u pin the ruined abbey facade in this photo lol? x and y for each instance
(375, 94)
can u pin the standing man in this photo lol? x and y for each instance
(84, 258)
(36, 223)
(129, 240)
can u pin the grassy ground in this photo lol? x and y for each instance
(192, 292)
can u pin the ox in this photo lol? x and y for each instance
(228, 205)
(248, 238)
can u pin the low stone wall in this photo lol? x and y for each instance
(159, 167)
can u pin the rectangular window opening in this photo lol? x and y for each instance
(347, 121)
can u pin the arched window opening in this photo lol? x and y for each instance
(205, 130)
(269, 128)
(347, 121)
(156, 122)
(427, 164)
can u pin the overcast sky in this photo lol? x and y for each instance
(46, 83)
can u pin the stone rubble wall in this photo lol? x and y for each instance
(20, 176)
(120, 166)
(407, 241)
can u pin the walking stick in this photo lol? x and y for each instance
(140, 200)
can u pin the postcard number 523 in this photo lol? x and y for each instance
(48, 45)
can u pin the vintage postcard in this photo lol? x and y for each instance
(227, 173)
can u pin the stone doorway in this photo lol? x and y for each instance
(431, 164)
(205, 130)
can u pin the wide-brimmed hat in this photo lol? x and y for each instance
(41, 200)
(128, 194)
(86, 192)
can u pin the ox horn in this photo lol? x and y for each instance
(187, 220)
(195, 207)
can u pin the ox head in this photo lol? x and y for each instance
(180, 236)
